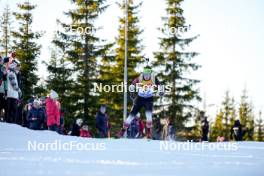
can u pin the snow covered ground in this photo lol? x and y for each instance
(30, 153)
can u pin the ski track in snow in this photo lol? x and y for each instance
(120, 157)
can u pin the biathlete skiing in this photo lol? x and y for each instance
(142, 91)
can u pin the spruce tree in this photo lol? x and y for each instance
(228, 109)
(259, 134)
(197, 128)
(84, 50)
(225, 119)
(233, 112)
(26, 48)
(217, 128)
(135, 57)
(246, 116)
(60, 78)
(135, 47)
(175, 62)
(5, 40)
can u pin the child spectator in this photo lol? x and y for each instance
(53, 111)
(76, 127)
(84, 132)
(102, 122)
(35, 116)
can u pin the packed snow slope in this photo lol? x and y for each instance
(30, 153)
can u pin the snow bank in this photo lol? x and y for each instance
(30, 153)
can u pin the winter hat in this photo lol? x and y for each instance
(103, 106)
(85, 127)
(42, 98)
(147, 70)
(53, 95)
(36, 103)
(79, 122)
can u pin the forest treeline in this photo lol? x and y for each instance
(78, 60)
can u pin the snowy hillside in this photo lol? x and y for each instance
(30, 153)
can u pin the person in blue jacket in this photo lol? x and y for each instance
(35, 116)
(101, 122)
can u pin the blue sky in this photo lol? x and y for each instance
(230, 43)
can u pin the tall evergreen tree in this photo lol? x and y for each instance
(228, 109)
(259, 134)
(60, 79)
(135, 46)
(217, 128)
(175, 63)
(233, 112)
(197, 128)
(246, 116)
(135, 57)
(225, 119)
(5, 40)
(83, 52)
(26, 48)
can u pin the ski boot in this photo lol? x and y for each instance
(149, 133)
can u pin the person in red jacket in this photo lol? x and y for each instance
(53, 111)
(84, 132)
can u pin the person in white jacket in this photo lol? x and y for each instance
(13, 92)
